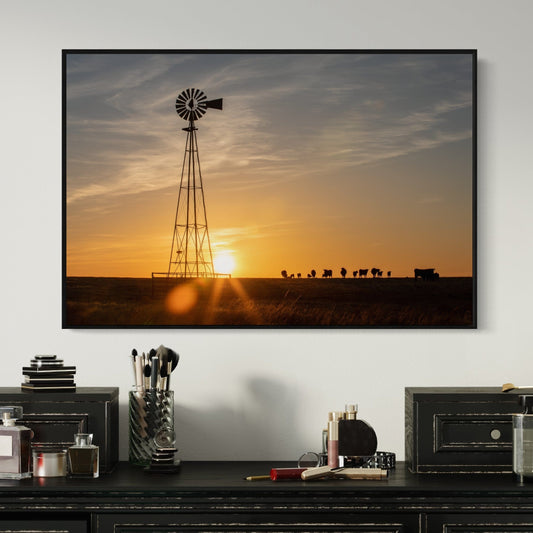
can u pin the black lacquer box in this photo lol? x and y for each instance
(55, 417)
(460, 429)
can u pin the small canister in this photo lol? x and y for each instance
(49, 463)
(523, 439)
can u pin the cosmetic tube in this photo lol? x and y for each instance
(277, 474)
(333, 439)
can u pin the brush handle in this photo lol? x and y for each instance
(138, 373)
(155, 373)
(316, 473)
(361, 473)
(169, 371)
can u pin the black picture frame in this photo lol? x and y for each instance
(437, 86)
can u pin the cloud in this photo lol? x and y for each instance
(285, 116)
(231, 235)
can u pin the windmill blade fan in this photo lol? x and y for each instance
(191, 104)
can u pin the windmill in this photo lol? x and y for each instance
(190, 254)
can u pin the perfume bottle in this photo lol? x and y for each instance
(15, 440)
(83, 456)
(523, 440)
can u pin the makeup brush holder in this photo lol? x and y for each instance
(151, 424)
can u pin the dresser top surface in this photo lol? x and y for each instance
(224, 478)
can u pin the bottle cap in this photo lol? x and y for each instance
(83, 439)
(526, 401)
(351, 411)
(10, 413)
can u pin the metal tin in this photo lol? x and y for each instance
(49, 463)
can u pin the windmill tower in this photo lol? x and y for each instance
(190, 254)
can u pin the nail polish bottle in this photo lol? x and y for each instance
(83, 456)
(15, 440)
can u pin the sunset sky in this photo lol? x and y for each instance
(316, 161)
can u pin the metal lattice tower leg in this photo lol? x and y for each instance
(190, 254)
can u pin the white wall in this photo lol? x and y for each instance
(245, 394)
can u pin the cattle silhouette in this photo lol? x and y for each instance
(299, 274)
(343, 272)
(313, 273)
(355, 273)
(363, 272)
(328, 273)
(426, 274)
(284, 274)
(374, 272)
(389, 274)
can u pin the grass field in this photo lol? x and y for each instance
(394, 302)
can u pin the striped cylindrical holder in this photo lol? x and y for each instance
(151, 424)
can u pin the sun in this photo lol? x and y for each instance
(224, 263)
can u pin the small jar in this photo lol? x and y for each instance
(83, 456)
(49, 463)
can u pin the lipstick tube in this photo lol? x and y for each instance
(333, 439)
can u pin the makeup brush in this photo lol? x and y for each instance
(506, 387)
(147, 374)
(169, 370)
(164, 377)
(175, 358)
(137, 364)
(133, 356)
(162, 354)
(155, 373)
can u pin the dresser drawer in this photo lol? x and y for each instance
(485, 523)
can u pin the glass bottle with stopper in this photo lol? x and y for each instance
(83, 456)
(523, 439)
(15, 441)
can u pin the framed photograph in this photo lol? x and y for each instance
(269, 189)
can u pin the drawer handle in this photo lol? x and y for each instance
(495, 434)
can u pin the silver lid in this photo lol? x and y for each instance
(10, 413)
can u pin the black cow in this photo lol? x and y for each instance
(426, 274)
(363, 272)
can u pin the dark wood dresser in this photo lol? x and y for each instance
(213, 496)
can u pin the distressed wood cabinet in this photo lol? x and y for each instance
(214, 497)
